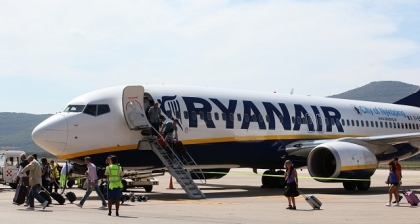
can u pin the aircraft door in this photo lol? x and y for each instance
(133, 107)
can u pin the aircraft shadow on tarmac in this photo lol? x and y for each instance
(229, 191)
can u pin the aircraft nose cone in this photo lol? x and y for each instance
(51, 134)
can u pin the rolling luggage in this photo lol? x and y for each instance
(58, 197)
(70, 196)
(411, 197)
(20, 195)
(312, 201)
(45, 195)
(161, 140)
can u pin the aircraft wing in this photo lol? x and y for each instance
(381, 144)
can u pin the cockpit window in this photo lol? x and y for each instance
(103, 109)
(90, 109)
(74, 108)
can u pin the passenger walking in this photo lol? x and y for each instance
(54, 175)
(394, 181)
(114, 175)
(154, 114)
(292, 185)
(23, 178)
(35, 180)
(399, 169)
(45, 173)
(171, 125)
(92, 178)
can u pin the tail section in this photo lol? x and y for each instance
(411, 100)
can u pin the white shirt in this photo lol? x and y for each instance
(64, 169)
(21, 174)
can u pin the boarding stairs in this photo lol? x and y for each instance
(179, 166)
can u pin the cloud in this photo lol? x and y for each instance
(255, 45)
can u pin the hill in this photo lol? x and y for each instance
(16, 129)
(383, 91)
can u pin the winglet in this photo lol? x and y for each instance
(411, 100)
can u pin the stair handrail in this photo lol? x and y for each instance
(177, 158)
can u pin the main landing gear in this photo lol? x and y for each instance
(273, 179)
(361, 185)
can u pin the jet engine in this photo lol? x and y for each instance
(342, 162)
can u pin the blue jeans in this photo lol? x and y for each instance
(33, 193)
(89, 190)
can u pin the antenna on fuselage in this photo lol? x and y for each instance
(291, 92)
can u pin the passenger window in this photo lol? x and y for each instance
(281, 119)
(395, 125)
(103, 109)
(343, 122)
(357, 123)
(386, 124)
(231, 117)
(246, 118)
(178, 114)
(332, 121)
(194, 115)
(367, 123)
(409, 125)
(298, 120)
(310, 120)
(216, 116)
(267, 118)
(238, 116)
(376, 123)
(186, 115)
(348, 122)
(169, 113)
(326, 121)
(362, 123)
(293, 119)
(406, 126)
(90, 109)
(338, 123)
(417, 126)
(371, 124)
(254, 117)
(201, 115)
(398, 125)
(209, 116)
(223, 116)
(352, 123)
(382, 125)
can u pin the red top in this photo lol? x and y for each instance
(398, 167)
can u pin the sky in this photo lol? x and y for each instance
(53, 51)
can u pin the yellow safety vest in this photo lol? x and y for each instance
(54, 171)
(114, 177)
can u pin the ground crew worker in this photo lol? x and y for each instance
(54, 175)
(64, 172)
(114, 175)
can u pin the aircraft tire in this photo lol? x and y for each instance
(350, 185)
(148, 188)
(363, 185)
(268, 181)
(280, 181)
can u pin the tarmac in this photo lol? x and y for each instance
(235, 198)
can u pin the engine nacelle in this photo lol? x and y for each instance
(341, 160)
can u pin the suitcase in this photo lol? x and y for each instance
(411, 197)
(58, 197)
(71, 196)
(20, 194)
(45, 195)
(312, 201)
(161, 140)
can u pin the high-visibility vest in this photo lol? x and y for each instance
(54, 171)
(114, 177)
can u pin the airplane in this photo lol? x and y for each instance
(338, 140)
